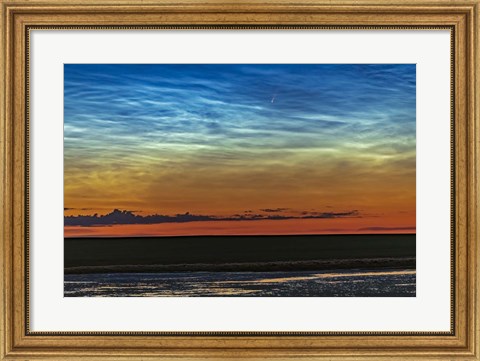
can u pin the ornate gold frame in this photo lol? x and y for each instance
(19, 17)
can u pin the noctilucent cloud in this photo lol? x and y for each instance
(239, 149)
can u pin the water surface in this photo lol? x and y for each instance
(339, 283)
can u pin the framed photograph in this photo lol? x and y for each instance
(239, 179)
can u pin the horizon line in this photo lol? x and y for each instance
(251, 235)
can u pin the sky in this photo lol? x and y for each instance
(200, 149)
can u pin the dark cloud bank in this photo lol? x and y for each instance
(128, 217)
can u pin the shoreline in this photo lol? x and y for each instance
(321, 265)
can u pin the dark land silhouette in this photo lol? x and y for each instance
(239, 253)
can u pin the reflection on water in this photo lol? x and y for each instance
(344, 283)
